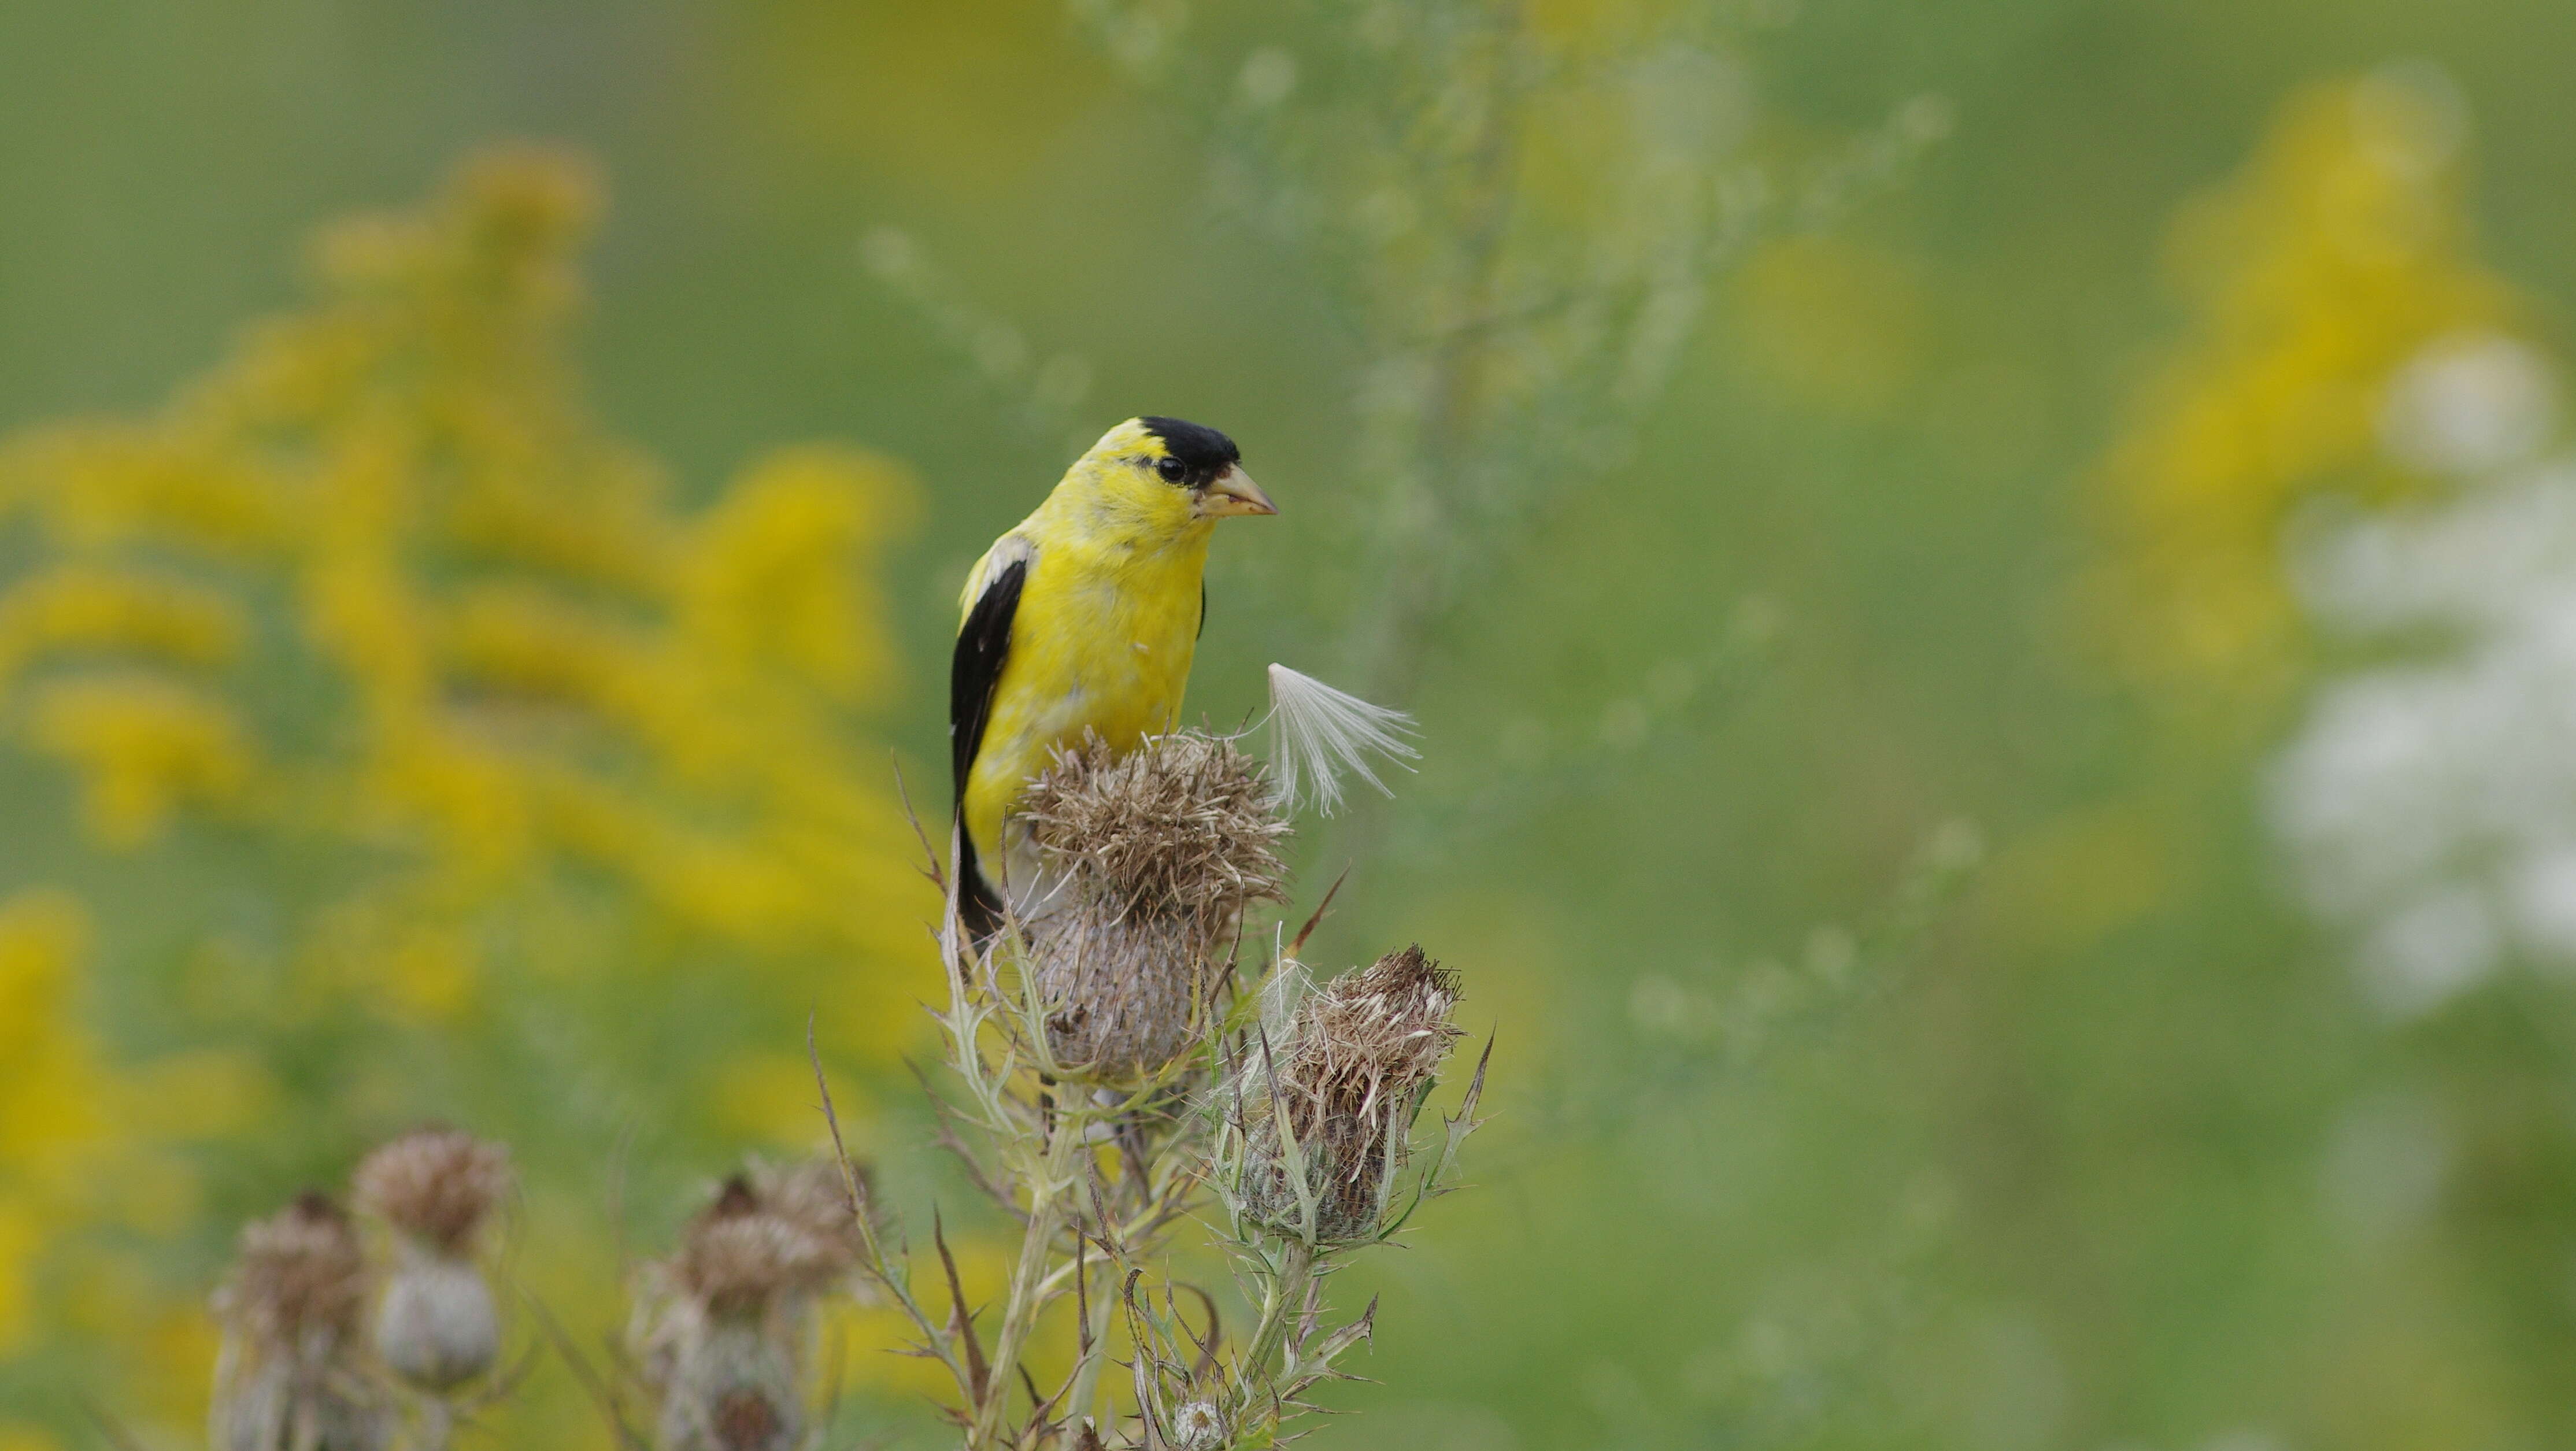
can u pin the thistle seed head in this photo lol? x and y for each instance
(810, 1194)
(1382, 1031)
(1343, 1088)
(721, 1327)
(299, 1278)
(1181, 825)
(744, 1251)
(1149, 860)
(435, 1185)
(288, 1374)
(1197, 1426)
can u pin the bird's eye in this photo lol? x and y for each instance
(1169, 468)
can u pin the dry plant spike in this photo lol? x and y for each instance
(1208, 1344)
(601, 1392)
(961, 1324)
(929, 853)
(1317, 920)
(832, 1120)
(1333, 1344)
(1081, 1293)
(945, 1117)
(1039, 1406)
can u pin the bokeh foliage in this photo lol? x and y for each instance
(1964, 491)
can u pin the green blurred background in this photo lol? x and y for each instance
(1837, 794)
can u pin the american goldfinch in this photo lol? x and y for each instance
(1082, 619)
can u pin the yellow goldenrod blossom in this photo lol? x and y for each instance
(541, 665)
(144, 745)
(54, 1123)
(2321, 269)
(378, 618)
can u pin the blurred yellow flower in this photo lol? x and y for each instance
(527, 662)
(2322, 268)
(483, 729)
(54, 1125)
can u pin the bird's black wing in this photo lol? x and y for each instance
(982, 645)
(1202, 634)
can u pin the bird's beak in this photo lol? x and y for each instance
(1233, 492)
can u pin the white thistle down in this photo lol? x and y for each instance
(1318, 733)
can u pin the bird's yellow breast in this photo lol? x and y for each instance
(1107, 624)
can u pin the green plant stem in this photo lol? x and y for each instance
(437, 1424)
(1279, 1309)
(1047, 1185)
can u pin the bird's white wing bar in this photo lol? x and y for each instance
(1318, 733)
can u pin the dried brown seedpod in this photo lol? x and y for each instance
(1325, 1113)
(1147, 860)
(437, 1325)
(437, 1185)
(299, 1275)
(722, 1325)
(289, 1373)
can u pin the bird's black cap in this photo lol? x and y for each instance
(1202, 451)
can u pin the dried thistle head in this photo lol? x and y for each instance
(1181, 825)
(298, 1279)
(744, 1251)
(289, 1372)
(1337, 1098)
(435, 1185)
(721, 1326)
(1149, 858)
(810, 1194)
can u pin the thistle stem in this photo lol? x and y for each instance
(1027, 1295)
(437, 1424)
(1279, 1309)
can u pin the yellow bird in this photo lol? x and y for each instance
(1083, 618)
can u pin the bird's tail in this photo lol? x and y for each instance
(979, 907)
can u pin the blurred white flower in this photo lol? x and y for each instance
(2470, 405)
(2430, 804)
